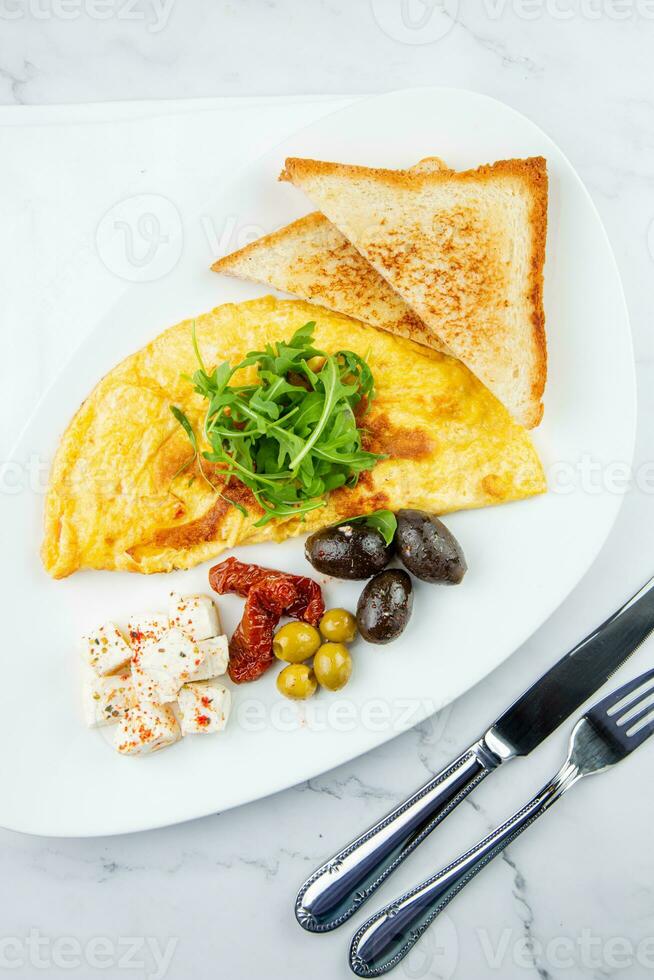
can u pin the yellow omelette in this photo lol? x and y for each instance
(123, 495)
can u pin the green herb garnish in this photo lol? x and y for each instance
(383, 521)
(190, 432)
(293, 436)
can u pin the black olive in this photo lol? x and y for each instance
(385, 605)
(351, 551)
(428, 549)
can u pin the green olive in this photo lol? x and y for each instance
(338, 626)
(333, 666)
(296, 642)
(297, 681)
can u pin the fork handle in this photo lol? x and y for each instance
(339, 887)
(386, 937)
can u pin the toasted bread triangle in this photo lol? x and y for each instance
(465, 250)
(310, 258)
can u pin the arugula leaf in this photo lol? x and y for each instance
(292, 436)
(383, 521)
(197, 349)
(186, 425)
(240, 508)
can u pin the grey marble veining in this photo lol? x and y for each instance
(574, 897)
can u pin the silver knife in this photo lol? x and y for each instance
(340, 886)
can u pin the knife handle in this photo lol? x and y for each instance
(339, 887)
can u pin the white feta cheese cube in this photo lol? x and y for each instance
(105, 699)
(146, 728)
(167, 663)
(145, 627)
(142, 629)
(195, 614)
(215, 657)
(204, 707)
(144, 687)
(105, 650)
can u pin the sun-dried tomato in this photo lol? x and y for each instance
(250, 656)
(269, 595)
(235, 576)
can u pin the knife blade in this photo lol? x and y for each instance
(331, 895)
(576, 676)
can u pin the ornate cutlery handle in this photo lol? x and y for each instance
(338, 888)
(386, 937)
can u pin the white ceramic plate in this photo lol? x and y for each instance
(60, 778)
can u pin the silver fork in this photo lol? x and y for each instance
(607, 733)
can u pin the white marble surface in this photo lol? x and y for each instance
(574, 898)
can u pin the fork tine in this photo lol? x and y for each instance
(641, 736)
(646, 730)
(616, 696)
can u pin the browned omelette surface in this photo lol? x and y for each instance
(117, 498)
